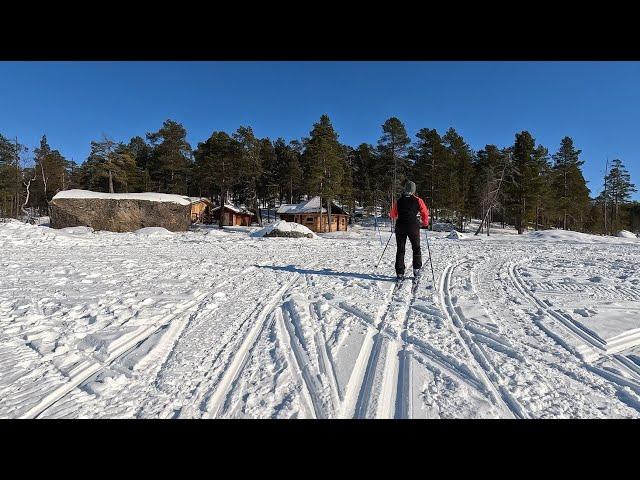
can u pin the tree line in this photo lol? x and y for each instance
(520, 184)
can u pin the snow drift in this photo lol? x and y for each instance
(626, 234)
(282, 228)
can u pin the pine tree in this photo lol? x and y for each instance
(289, 170)
(170, 160)
(460, 159)
(11, 176)
(52, 176)
(109, 167)
(324, 158)
(394, 164)
(268, 183)
(141, 152)
(364, 181)
(430, 156)
(248, 166)
(540, 184)
(523, 180)
(618, 190)
(214, 166)
(569, 187)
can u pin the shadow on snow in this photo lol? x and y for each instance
(329, 272)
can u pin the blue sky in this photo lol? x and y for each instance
(595, 103)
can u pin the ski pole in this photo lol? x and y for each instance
(426, 235)
(385, 249)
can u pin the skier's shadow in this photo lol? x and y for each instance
(329, 272)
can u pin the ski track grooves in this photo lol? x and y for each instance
(386, 386)
(224, 386)
(89, 368)
(595, 348)
(484, 371)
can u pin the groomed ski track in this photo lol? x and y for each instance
(294, 328)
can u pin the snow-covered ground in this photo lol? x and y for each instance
(213, 323)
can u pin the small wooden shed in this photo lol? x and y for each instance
(232, 215)
(309, 214)
(201, 209)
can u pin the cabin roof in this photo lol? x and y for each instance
(310, 206)
(233, 208)
(200, 199)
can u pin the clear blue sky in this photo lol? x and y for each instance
(596, 103)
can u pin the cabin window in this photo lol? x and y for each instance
(309, 220)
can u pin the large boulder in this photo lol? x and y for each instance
(119, 212)
(282, 228)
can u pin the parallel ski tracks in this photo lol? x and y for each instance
(91, 367)
(482, 368)
(216, 403)
(385, 391)
(591, 349)
(270, 313)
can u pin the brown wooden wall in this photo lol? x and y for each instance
(312, 221)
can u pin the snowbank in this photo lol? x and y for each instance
(282, 228)
(76, 230)
(626, 234)
(153, 231)
(149, 196)
(456, 235)
(563, 235)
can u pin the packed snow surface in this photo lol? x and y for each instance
(153, 231)
(149, 196)
(626, 234)
(284, 226)
(214, 323)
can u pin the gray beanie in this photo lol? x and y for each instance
(409, 188)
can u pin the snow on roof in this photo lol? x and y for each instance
(199, 199)
(149, 196)
(310, 206)
(233, 208)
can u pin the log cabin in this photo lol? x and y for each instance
(201, 210)
(233, 216)
(308, 213)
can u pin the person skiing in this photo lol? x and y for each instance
(405, 210)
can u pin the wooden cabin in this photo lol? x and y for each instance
(201, 210)
(233, 216)
(309, 213)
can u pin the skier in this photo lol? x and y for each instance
(405, 210)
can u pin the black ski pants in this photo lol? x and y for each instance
(412, 231)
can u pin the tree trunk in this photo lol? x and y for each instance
(257, 208)
(221, 215)
(328, 213)
(321, 226)
(110, 182)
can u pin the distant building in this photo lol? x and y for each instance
(309, 213)
(232, 215)
(201, 210)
